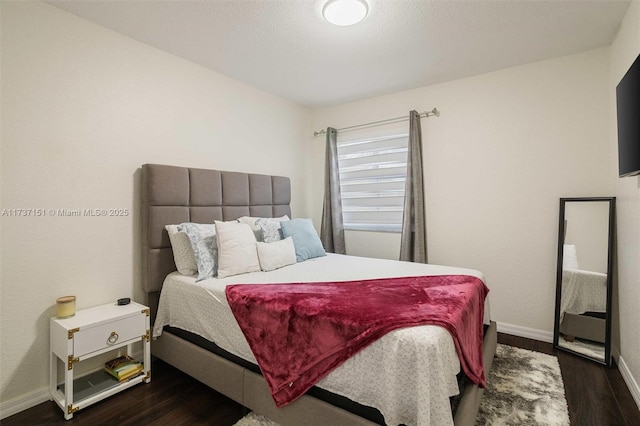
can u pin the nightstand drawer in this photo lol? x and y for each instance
(91, 339)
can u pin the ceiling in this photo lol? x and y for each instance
(285, 47)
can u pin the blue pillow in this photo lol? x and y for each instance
(305, 238)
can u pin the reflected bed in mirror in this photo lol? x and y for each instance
(584, 277)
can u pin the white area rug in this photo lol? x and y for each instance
(253, 419)
(524, 388)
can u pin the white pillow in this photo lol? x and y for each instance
(276, 255)
(237, 252)
(182, 251)
(569, 257)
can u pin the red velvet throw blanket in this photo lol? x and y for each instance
(300, 332)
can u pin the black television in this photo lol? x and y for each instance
(628, 105)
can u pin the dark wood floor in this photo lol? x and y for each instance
(595, 395)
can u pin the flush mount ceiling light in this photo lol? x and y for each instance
(345, 12)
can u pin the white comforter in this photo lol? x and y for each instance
(408, 375)
(583, 291)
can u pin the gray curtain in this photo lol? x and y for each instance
(413, 243)
(332, 229)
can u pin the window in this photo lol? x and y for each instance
(372, 177)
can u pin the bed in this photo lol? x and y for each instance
(583, 300)
(173, 195)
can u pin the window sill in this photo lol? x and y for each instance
(382, 230)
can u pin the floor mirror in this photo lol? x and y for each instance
(584, 281)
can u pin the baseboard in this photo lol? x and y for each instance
(629, 380)
(529, 333)
(23, 402)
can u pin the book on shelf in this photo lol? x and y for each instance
(123, 368)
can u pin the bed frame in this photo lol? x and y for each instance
(172, 195)
(584, 327)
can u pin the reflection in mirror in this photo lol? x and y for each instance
(583, 294)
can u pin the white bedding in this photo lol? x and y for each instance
(583, 291)
(408, 375)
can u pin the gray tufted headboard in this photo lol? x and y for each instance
(173, 195)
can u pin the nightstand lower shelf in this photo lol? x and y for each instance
(91, 384)
(92, 388)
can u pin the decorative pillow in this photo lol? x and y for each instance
(237, 253)
(570, 257)
(270, 228)
(182, 251)
(305, 238)
(276, 255)
(205, 248)
(251, 221)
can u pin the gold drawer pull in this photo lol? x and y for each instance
(113, 338)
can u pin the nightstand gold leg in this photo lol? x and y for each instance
(68, 392)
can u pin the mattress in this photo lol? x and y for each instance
(408, 374)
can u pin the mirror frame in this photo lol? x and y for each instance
(610, 271)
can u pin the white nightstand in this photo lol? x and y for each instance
(89, 333)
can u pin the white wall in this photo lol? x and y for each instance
(507, 146)
(587, 228)
(624, 50)
(82, 109)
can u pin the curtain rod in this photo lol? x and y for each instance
(381, 122)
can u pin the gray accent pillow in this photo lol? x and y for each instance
(183, 254)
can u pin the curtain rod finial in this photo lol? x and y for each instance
(435, 112)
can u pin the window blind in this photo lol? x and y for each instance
(372, 179)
